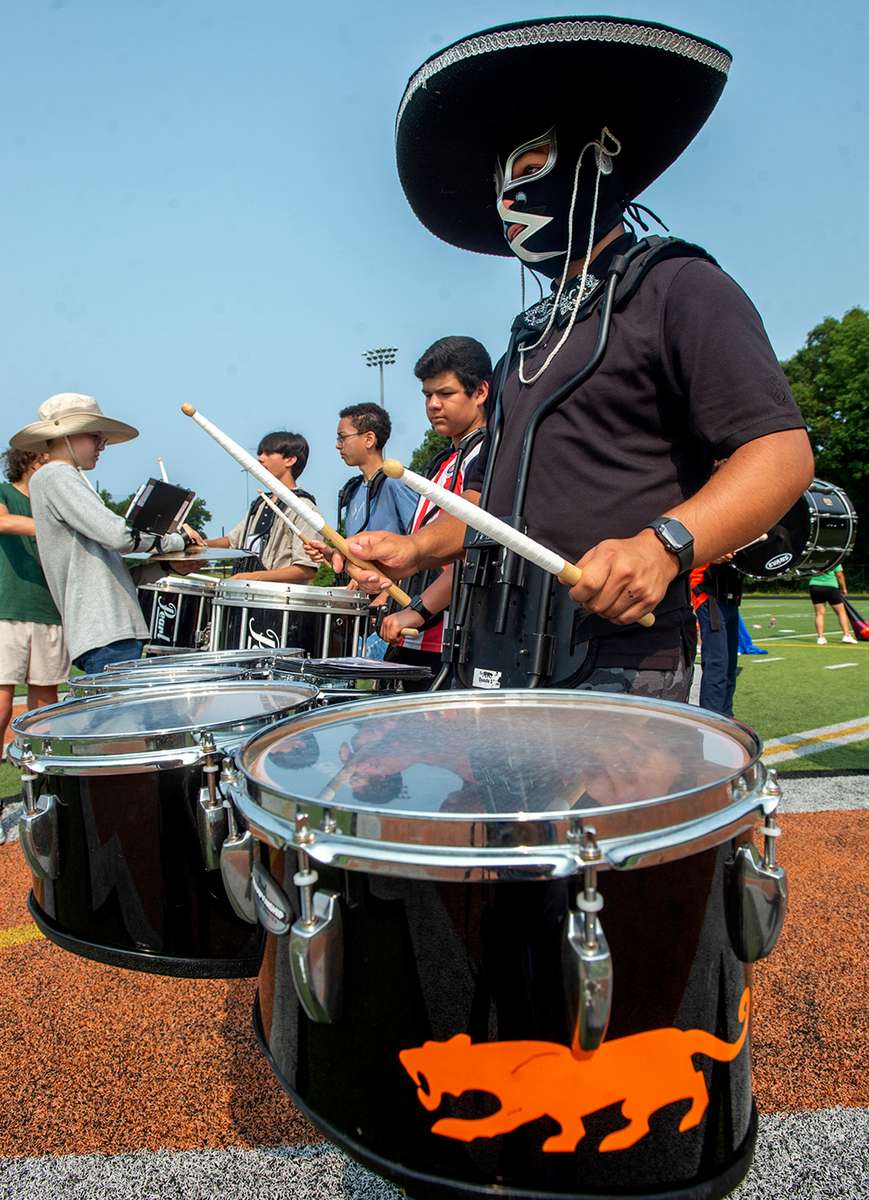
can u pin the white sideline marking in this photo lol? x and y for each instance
(764, 659)
(816, 741)
(840, 666)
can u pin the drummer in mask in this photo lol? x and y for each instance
(573, 119)
(273, 551)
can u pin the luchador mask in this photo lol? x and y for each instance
(540, 199)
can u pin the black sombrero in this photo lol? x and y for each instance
(653, 86)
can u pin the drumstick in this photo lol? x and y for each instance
(491, 526)
(280, 512)
(309, 515)
(753, 542)
(162, 467)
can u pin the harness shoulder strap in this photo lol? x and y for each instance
(648, 253)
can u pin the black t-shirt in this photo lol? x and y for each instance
(688, 377)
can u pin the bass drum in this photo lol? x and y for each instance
(507, 937)
(124, 823)
(813, 536)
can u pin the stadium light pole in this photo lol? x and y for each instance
(382, 356)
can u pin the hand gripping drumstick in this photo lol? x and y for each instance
(491, 526)
(302, 511)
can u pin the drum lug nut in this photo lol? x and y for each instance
(586, 959)
(236, 865)
(211, 813)
(317, 947)
(756, 897)
(38, 826)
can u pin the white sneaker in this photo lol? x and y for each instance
(822, 641)
(846, 637)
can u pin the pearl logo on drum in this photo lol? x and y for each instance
(643, 1071)
(165, 612)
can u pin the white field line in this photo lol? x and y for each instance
(840, 666)
(763, 659)
(815, 741)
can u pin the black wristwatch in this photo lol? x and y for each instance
(417, 605)
(675, 537)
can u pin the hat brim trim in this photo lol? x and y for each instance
(37, 435)
(517, 37)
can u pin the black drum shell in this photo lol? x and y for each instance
(133, 890)
(272, 628)
(426, 960)
(176, 619)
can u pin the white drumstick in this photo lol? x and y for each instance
(309, 515)
(280, 512)
(162, 467)
(492, 527)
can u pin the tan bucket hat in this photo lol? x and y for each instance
(68, 413)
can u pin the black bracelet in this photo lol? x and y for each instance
(417, 606)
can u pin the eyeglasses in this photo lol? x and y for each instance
(100, 439)
(341, 438)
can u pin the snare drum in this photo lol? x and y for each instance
(324, 621)
(343, 679)
(812, 537)
(507, 937)
(177, 610)
(124, 820)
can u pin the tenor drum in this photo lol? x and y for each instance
(813, 536)
(507, 936)
(209, 658)
(124, 820)
(177, 610)
(323, 621)
(104, 682)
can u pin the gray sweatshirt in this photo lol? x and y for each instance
(80, 543)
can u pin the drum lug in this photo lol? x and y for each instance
(236, 858)
(38, 827)
(211, 816)
(316, 941)
(756, 889)
(588, 971)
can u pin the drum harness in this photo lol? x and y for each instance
(256, 533)
(486, 563)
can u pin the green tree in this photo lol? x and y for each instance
(830, 380)
(430, 445)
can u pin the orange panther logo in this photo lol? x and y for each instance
(643, 1071)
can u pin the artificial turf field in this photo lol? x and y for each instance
(799, 685)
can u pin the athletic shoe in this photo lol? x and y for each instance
(822, 641)
(846, 637)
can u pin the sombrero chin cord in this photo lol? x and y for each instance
(603, 158)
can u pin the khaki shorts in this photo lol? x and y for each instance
(32, 653)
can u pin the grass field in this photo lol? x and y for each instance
(796, 687)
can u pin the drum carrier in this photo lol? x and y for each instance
(511, 625)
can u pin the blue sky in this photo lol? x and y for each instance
(200, 203)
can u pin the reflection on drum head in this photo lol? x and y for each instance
(502, 757)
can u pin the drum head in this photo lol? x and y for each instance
(161, 677)
(171, 661)
(423, 779)
(153, 723)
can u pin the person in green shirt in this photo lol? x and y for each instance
(32, 649)
(825, 589)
